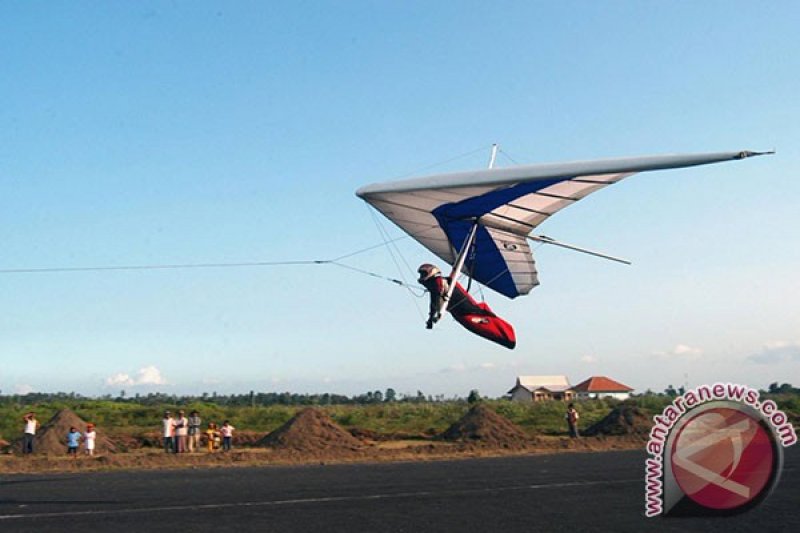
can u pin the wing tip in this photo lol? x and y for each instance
(744, 154)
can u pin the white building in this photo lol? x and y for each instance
(602, 387)
(540, 388)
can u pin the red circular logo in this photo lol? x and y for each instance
(723, 458)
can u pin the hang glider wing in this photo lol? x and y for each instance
(508, 203)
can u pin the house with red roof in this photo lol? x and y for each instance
(541, 388)
(602, 387)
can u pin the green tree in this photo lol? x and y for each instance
(474, 397)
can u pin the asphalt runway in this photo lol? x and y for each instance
(566, 492)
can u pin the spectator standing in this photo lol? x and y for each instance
(181, 432)
(89, 439)
(572, 417)
(227, 436)
(212, 437)
(194, 431)
(73, 441)
(31, 425)
(167, 431)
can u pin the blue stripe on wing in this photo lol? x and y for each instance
(489, 267)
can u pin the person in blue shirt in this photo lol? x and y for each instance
(73, 440)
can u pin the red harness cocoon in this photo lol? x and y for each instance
(479, 318)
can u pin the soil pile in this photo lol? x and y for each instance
(368, 435)
(311, 430)
(483, 426)
(246, 438)
(51, 438)
(622, 420)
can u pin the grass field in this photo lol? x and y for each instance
(389, 418)
(386, 418)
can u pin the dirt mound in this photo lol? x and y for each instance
(622, 420)
(311, 430)
(483, 426)
(367, 435)
(246, 438)
(51, 438)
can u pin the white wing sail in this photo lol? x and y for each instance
(508, 203)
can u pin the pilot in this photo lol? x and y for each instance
(431, 278)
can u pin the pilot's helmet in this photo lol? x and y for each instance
(427, 271)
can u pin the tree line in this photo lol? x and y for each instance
(251, 399)
(265, 399)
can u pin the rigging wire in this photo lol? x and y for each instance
(161, 266)
(413, 290)
(508, 156)
(388, 243)
(391, 243)
(369, 248)
(440, 163)
(480, 291)
(334, 262)
(385, 235)
(337, 261)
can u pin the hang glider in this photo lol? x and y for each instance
(506, 204)
(490, 214)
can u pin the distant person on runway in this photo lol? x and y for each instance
(572, 417)
(194, 431)
(227, 436)
(181, 432)
(212, 437)
(167, 424)
(31, 425)
(89, 439)
(73, 441)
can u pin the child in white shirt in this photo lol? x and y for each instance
(89, 439)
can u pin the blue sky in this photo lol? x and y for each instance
(195, 132)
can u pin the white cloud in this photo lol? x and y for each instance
(119, 379)
(777, 352)
(23, 388)
(680, 351)
(588, 359)
(149, 375)
(461, 368)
